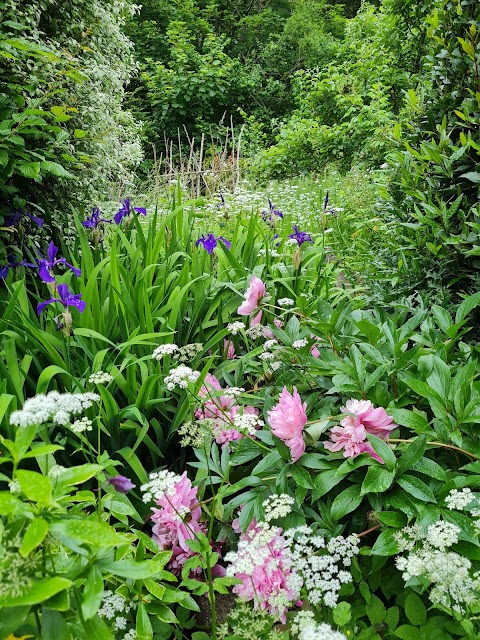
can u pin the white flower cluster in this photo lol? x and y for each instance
(267, 355)
(247, 423)
(100, 377)
(275, 365)
(79, 426)
(255, 332)
(269, 344)
(303, 619)
(322, 631)
(130, 635)
(196, 434)
(286, 302)
(163, 350)
(54, 407)
(188, 352)
(112, 605)
(277, 506)
(235, 327)
(159, 483)
(453, 583)
(320, 563)
(251, 551)
(233, 392)
(298, 344)
(14, 486)
(459, 500)
(180, 377)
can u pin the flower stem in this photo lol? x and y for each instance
(439, 444)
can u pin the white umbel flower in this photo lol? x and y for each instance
(286, 302)
(298, 344)
(181, 376)
(53, 407)
(79, 426)
(460, 499)
(159, 483)
(164, 350)
(100, 377)
(322, 631)
(277, 506)
(235, 327)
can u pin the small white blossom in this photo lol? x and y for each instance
(53, 407)
(267, 355)
(100, 377)
(302, 619)
(235, 327)
(79, 426)
(255, 331)
(233, 392)
(286, 302)
(268, 344)
(130, 635)
(322, 631)
(459, 499)
(120, 623)
(163, 350)
(159, 483)
(247, 423)
(298, 344)
(188, 352)
(275, 365)
(14, 486)
(180, 377)
(442, 534)
(277, 506)
(112, 604)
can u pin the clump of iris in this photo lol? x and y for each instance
(209, 242)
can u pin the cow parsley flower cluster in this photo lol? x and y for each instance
(79, 426)
(159, 483)
(322, 565)
(277, 506)
(100, 377)
(188, 352)
(53, 407)
(286, 302)
(255, 332)
(164, 350)
(233, 392)
(235, 327)
(196, 433)
(269, 344)
(298, 344)
(322, 631)
(453, 582)
(114, 604)
(303, 619)
(247, 423)
(181, 376)
(267, 355)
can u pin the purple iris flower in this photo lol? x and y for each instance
(15, 218)
(210, 242)
(325, 202)
(126, 209)
(94, 220)
(121, 483)
(12, 264)
(267, 215)
(300, 236)
(67, 298)
(47, 265)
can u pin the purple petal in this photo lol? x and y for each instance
(52, 252)
(76, 271)
(4, 271)
(44, 273)
(226, 242)
(121, 483)
(141, 210)
(118, 217)
(41, 306)
(38, 221)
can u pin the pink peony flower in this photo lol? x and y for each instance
(351, 436)
(177, 520)
(254, 293)
(287, 420)
(263, 563)
(376, 421)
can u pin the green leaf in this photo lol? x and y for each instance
(136, 570)
(55, 169)
(342, 613)
(473, 176)
(412, 454)
(92, 593)
(383, 450)
(34, 535)
(54, 625)
(10, 505)
(29, 169)
(80, 133)
(36, 487)
(143, 627)
(415, 609)
(377, 480)
(40, 591)
(385, 544)
(97, 629)
(346, 502)
(395, 519)
(416, 488)
(467, 305)
(92, 532)
(77, 475)
(406, 632)
(375, 610)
